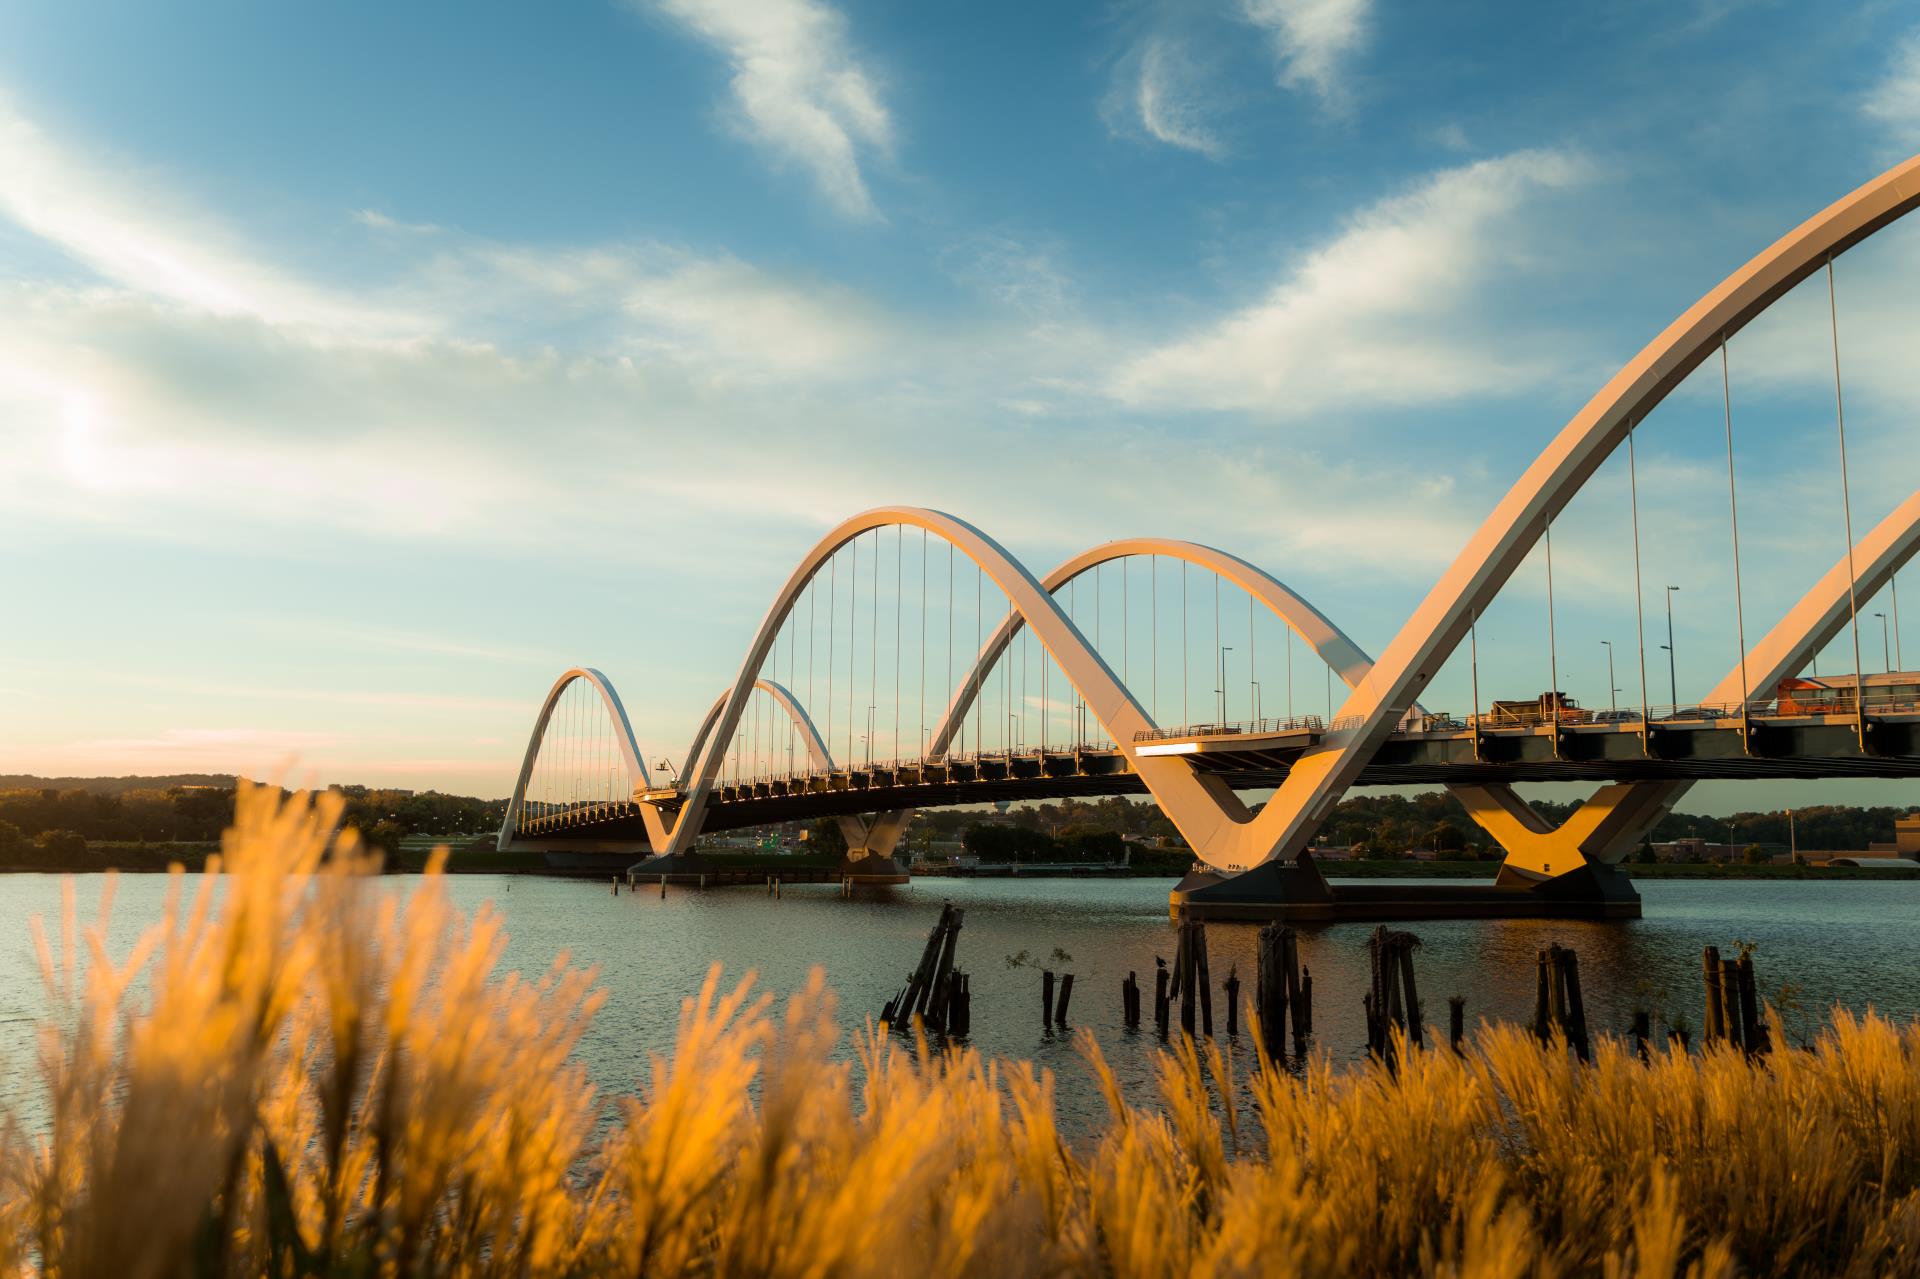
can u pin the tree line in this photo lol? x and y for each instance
(48, 826)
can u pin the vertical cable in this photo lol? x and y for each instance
(1639, 598)
(1253, 671)
(1553, 646)
(963, 722)
(1733, 511)
(1899, 657)
(1219, 654)
(1186, 678)
(923, 641)
(833, 627)
(899, 577)
(1153, 632)
(979, 613)
(853, 642)
(873, 671)
(1846, 506)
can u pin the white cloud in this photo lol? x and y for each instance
(137, 238)
(801, 92)
(382, 222)
(1377, 316)
(1312, 40)
(1895, 100)
(1167, 103)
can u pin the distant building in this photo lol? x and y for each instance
(1835, 694)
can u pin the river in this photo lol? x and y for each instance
(1845, 942)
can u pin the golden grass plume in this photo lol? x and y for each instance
(300, 1072)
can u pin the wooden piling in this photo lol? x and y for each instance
(943, 967)
(1161, 999)
(960, 1004)
(1415, 1032)
(1046, 996)
(1542, 999)
(1572, 1002)
(1066, 996)
(1730, 1004)
(1456, 1020)
(1299, 991)
(1130, 1001)
(1754, 1029)
(1642, 1031)
(1203, 978)
(1232, 987)
(1716, 1027)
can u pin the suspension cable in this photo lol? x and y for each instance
(1639, 597)
(1846, 506)
(1733, 511)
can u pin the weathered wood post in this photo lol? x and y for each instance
(1716, 1027)
(1642, 1031)
(1416, 1033)
(1161, 999)
(1573, 1005)
(1542, 999)
(1066, 994)
(960, 1005)
(943, 966)
(1730, 1004)
(1753, 1028)
(1203, 978)
(1303, 1008)
(1130, 1001)
(1046, 996)
(1183, 977)
(1270, 992)
(1456, 1020)
(1232, 987)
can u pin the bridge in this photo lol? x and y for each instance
(875, 686)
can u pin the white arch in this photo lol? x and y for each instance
(1327, 641)
(623, 736)
(850, 826)
(1616, 818)
(1435, 629)
(1197, 806)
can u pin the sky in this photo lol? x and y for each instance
(362, 367)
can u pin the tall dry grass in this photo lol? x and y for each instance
(322, 1078)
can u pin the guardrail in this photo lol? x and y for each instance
(1245, 728)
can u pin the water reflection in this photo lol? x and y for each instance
(1845, 942)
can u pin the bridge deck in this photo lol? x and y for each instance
(1713, 746)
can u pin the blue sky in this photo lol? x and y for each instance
(363, 366)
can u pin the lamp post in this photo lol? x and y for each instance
(1256, 700)
(1886, 653)
(1673, 680)
(1222, 690)
(1613, 702)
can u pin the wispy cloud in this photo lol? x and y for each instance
(382, 222)
(1313, 40)
(1167, 100)
(137, 238)
(1376, 316)
(1894, 100)
(799, 88)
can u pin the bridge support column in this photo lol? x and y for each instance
(1602, 831)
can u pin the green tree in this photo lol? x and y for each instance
(1756, 855)
(825, 836)
(62, 847)
(12, 842)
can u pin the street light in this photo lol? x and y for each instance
(1222, 690)
(1886, 653)
(1613, 702)
(1673, 680)
(1256, 699)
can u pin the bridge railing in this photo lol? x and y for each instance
(1246, 728)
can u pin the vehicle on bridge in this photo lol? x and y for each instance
(1543, 709)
